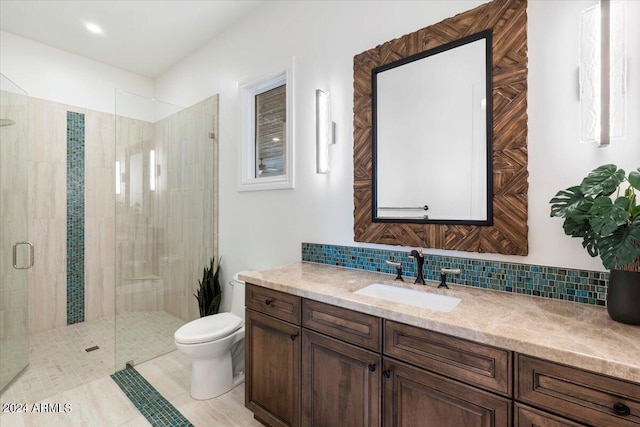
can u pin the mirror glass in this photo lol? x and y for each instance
(432, 115)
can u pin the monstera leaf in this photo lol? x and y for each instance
(603, 180)
(608, 228)
(621, 247)
(634, 179)
(607, 216)
(568, 201)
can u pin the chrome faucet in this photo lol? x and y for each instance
(419, 257)
(443, 276)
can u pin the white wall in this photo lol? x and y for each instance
(56, 75)
(264, 229)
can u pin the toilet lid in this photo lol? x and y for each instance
(208, 328)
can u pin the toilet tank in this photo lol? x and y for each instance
(237, 298)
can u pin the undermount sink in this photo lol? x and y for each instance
(412, 297)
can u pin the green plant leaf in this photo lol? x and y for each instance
(621, 247)
(607, 216)
(209, 291)
(567, 201)
(603, 180)
(574, 228)
(590, 242)
(634, 179)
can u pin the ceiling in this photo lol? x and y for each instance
(144, 37)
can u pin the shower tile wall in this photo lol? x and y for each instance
(99, 215)
(188, 184)
(47, 228)
(48, 223)
(138, 285)
(157, 278)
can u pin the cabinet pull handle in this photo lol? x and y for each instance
(268, 301)
(293, 337)
(386, 374)
(621, 409)
(372, 367)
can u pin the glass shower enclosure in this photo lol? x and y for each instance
(16, 252)
(165, 219)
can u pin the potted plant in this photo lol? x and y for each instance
(209, 292)
(604, 212)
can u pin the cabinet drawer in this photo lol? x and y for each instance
(274, 303)
(584, 396)
(477, 364)
(350, 326)
(529, 417)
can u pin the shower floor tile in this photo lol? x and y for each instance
(59, 362)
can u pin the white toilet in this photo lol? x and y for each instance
(216, 345)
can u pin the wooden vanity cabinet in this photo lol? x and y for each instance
(340, 383)
(341, 365)
(424, 380)
(314, 364)
(272, 357)
(525, 416)
(417, 397)
(584, 397)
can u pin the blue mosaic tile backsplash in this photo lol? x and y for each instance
(589, 287)
(75, 217)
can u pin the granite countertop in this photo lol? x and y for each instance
(575, 334)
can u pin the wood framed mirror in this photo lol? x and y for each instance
(506, 20)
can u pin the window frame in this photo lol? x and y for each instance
(248, 92)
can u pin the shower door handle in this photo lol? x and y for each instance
(15, 255)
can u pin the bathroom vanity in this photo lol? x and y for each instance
(317, 354)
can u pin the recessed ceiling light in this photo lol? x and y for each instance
(93, 28)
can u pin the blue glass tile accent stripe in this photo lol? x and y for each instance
(156, 409)
(589, 287)
(75, 217)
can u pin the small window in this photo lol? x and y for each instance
(271, 132)
(266, 150)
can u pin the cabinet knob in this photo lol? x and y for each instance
(621, 409)
(293, 337)
(268, 301)
(386, 374)
(372, 367)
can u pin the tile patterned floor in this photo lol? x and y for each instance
(76, 389)
(102, 403)
(59, 362)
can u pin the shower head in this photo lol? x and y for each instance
(6, 122)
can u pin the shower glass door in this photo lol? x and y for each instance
(16, 255)
(165, 219)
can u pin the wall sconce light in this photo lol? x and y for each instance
(324, 131)
(152, 170)
(118, 177)
(603, 72)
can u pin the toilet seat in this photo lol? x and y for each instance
(208, 328)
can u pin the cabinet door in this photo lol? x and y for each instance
(340, 383)
(272, 389)
(416, 398)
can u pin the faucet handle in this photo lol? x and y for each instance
(443, 276)
(398, 267)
